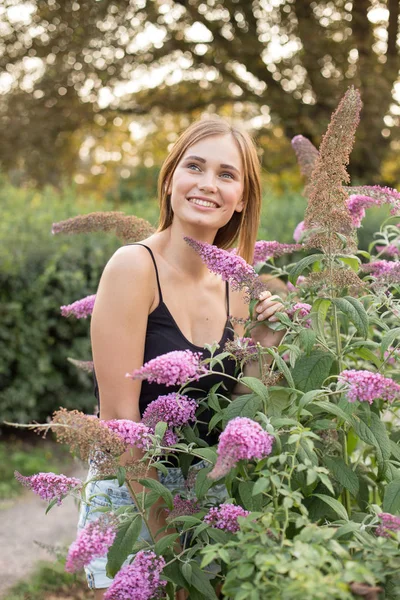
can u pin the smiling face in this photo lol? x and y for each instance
(207, 185)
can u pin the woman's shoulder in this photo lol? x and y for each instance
(129, 265)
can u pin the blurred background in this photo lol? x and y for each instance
(93, 93)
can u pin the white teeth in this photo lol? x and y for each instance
(203, 202)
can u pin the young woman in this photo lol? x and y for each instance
(158, 296)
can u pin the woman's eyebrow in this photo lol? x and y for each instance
(202, 160)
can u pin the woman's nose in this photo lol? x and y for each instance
(208, 184)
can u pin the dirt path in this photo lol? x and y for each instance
(22, 522)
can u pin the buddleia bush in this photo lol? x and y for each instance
(301, 496)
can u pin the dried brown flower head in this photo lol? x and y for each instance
(88, 437)
(128, 228)
(271, 378)
(306, 154)
(327, 211)
(83, 365)
(338, 279)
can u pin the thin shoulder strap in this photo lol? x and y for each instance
(155, 266)
(227, 297)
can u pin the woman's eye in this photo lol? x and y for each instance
(228, 175)
(193, 166)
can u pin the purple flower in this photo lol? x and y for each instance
(366, 386)
(139, 580)
(174, 409)
(300, 310)
(93, 540)
(242, 439)
(225, 517)
(390, 250)
(299, 231)
(231, 267)
(263, 250)
(183, 507)
(299, 281)
(357, 205)
(48, 485)
(172, 368)
(132, 433)
(385, 271)
(389, 524)
(79, 309)
(380, 195)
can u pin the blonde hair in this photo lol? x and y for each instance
(243, 226)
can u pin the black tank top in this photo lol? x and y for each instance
(163, 335)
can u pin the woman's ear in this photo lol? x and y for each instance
(240, 206)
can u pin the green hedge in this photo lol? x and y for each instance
(38, 273)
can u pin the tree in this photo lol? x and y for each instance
(291, 59)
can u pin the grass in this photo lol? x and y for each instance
(29, 455)
(50, 582)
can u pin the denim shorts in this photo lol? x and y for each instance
(120, 496)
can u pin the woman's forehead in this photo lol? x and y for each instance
(216, 147)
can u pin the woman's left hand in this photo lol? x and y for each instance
(265, 310)
(267, 306)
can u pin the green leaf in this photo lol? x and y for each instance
(310, 371)
(160, 429)
(201, 582)
(355, 312)
(342, 473)
(395, 449)
(333, 409)
(352, 261)
(309, 397)
(367, 354)
(203, 483)
(371, 430)
(249, 500)
(162, 491)
(187, 571)
(391, 499)
(318, 315)
(208, 453)
(255, 386)
(307, 340)
(297, 269)
(388, 340)
(50, 505)
(165, 542)
(218, 536)
(213, 402)
(282, 366)
(214, 421)
(127, 534)
(247, 405)
(121, 475)
(335, 505)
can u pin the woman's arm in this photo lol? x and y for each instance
(126, 295)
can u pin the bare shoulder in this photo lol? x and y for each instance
(129, 274)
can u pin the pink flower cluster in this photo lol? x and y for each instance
(93, 541)
(132, 433)
(294, 288)
(174, 409)
(366, 386)
(299, 232)
(48, 485)
(183, 507)
(385, 271)
(231, 267)
(357, 205)
(263, 250)
(139, 580)
(242, 439)
(389, 524)
(79, 309)
(172, 368)
(390, 250)
(225, 517)
(301, 309)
